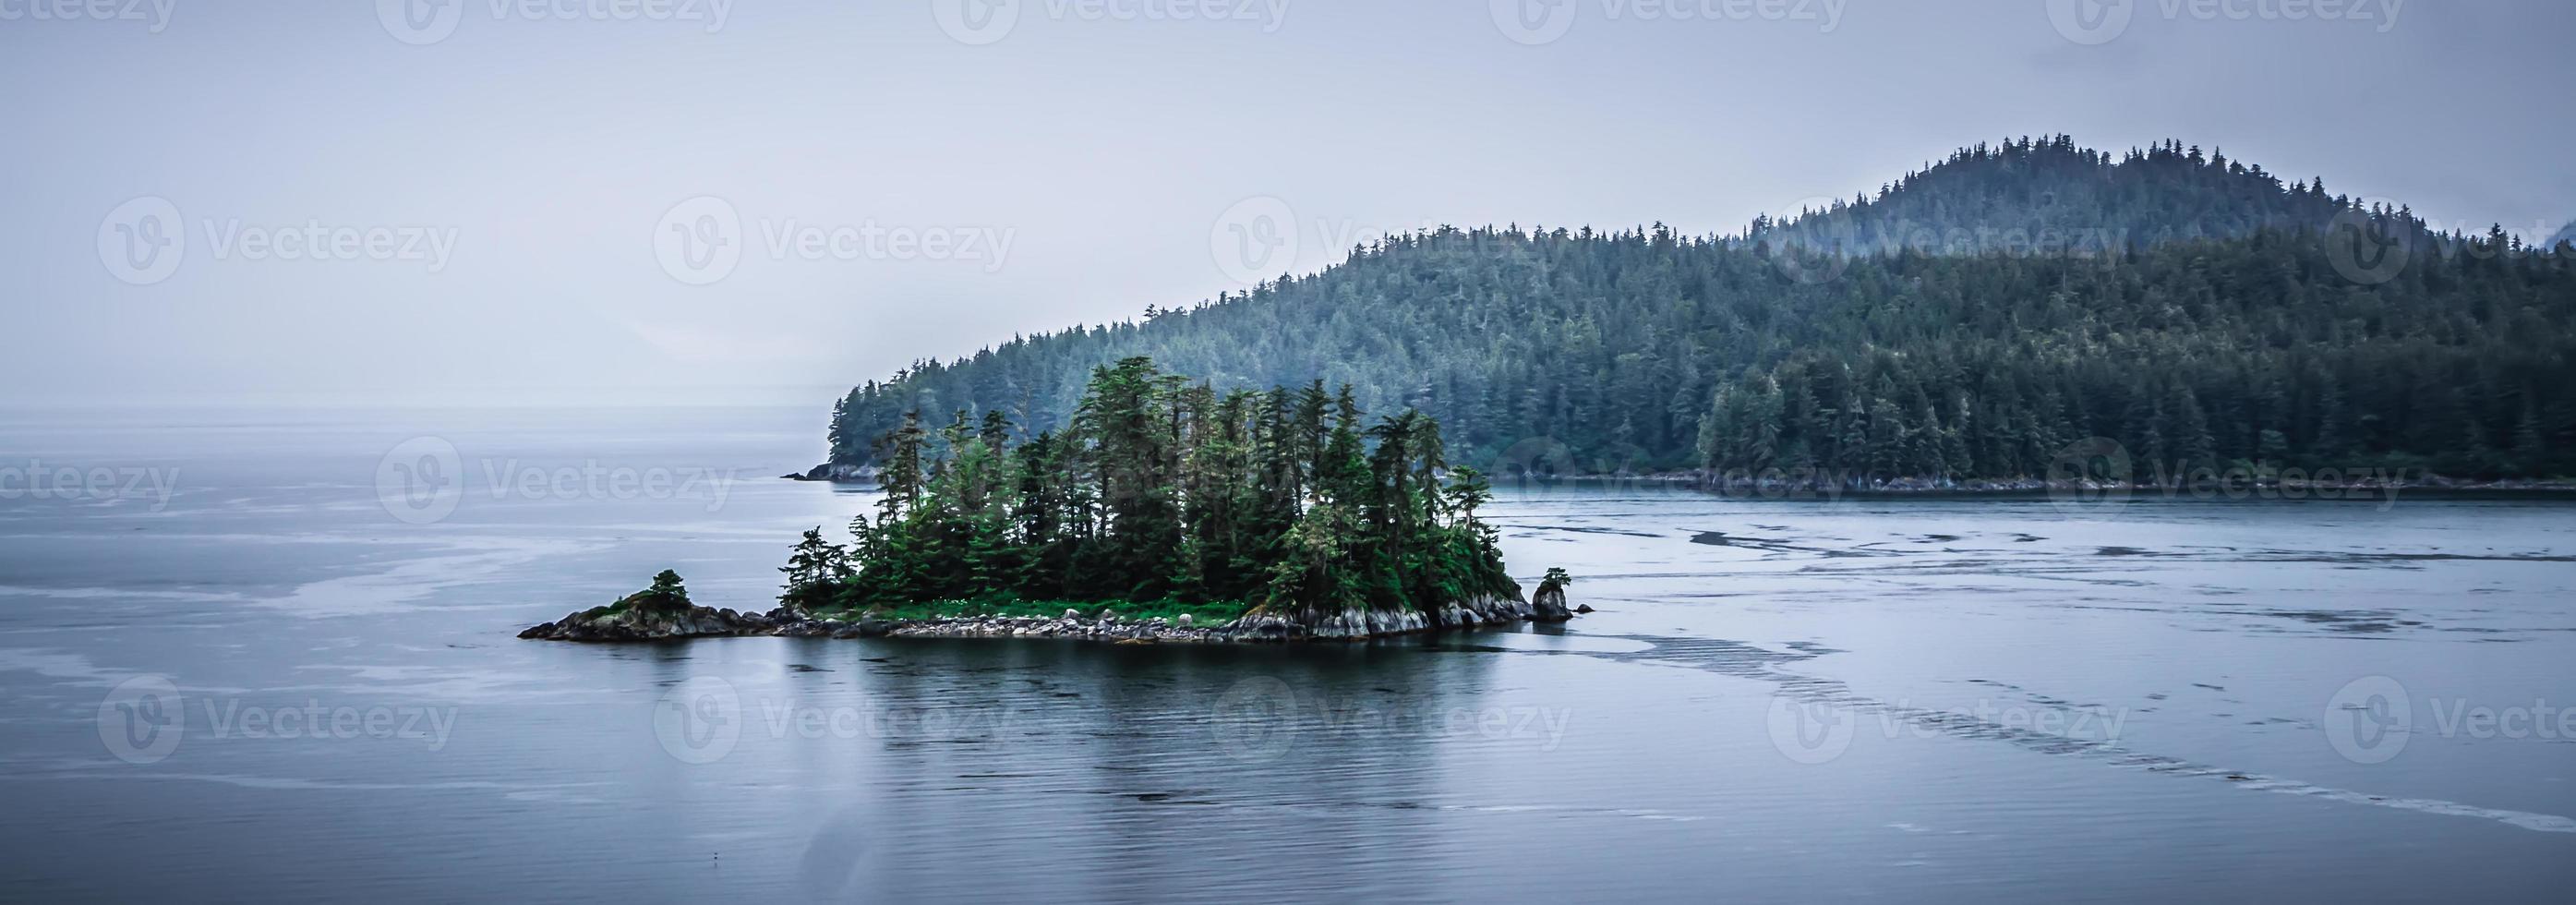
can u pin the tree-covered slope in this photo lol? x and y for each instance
(2263, 321)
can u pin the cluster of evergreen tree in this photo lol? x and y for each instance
(2240, 319)
(1160, 489)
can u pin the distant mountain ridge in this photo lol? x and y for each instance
(1982, 197)
(2222, 316)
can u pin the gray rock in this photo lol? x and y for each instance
(1549, 605)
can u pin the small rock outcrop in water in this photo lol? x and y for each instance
(838, 473)
(661, 612)
(1548, 605)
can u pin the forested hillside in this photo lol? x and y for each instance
(2261, 321)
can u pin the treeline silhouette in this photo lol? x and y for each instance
(1163, 490)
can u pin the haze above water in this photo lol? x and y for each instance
(1914, 699)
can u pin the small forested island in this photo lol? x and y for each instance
(1163, 511)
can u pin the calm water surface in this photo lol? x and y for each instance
(292, 677)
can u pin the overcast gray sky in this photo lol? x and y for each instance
(571, 197)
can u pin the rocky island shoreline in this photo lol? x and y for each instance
(648, 618)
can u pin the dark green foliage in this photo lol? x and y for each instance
(1982, 315)
(665, 596)
(1165, 492)
(1555, 579)
(816, 566)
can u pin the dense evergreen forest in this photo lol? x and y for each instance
(1161, 490)
(1970, 320)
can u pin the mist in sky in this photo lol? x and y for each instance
(486, 200)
